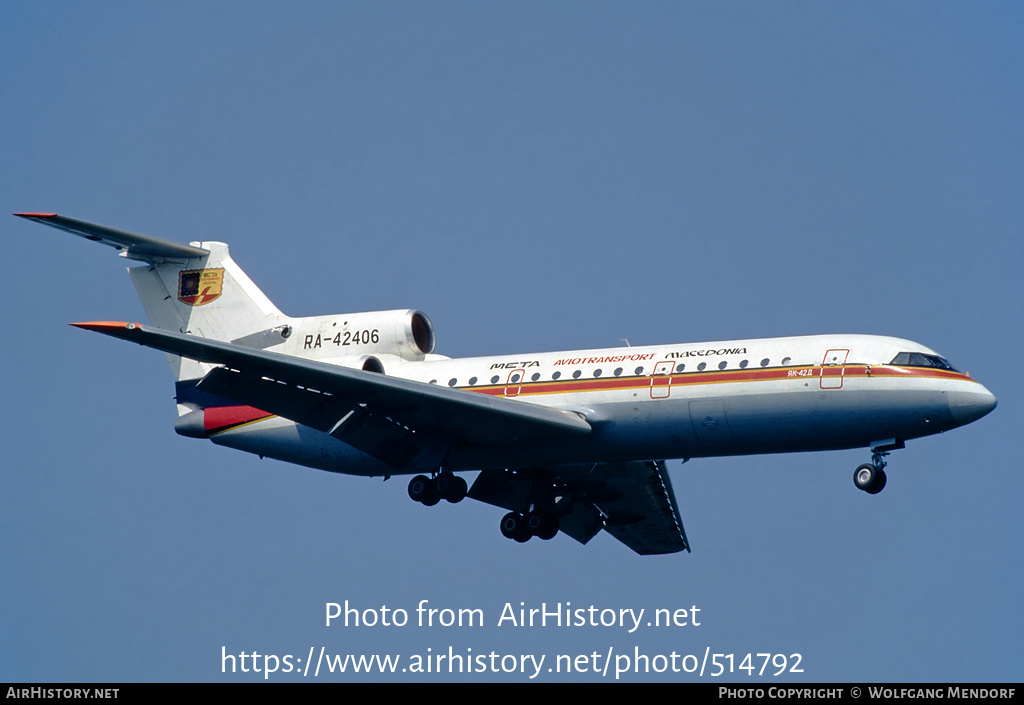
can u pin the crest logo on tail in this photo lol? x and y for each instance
(197, 287)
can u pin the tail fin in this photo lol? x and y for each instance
(193, 288)
(208, 296)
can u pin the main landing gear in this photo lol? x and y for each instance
(538, 499)
(521, 527)
(870, 477)
(431, 490)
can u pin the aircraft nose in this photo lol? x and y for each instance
(971, 406)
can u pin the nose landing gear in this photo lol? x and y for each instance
(870, 477)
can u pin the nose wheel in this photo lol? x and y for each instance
(870, 477)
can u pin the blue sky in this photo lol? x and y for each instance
(533, 176)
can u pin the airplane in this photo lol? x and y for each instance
(572, 442)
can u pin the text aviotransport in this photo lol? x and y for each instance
(636, 357)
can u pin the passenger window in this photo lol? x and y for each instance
(764, 362)
(702, 366)
(722, 365)
(638, 371)
(452, 382)
(743, 364)
(556, 374)
(494, 379)
(472, 381)
(681, 367)
(786, 360)
(576, 374)
(618, 371)
(536, 376)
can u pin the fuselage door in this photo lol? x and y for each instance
(833, 365)
(514, 384)
(661, 379)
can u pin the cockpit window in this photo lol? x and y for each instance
(913, 359)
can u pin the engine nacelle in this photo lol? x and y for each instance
(407, 334)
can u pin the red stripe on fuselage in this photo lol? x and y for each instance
(222, 418)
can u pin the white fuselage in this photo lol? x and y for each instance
(770, 395)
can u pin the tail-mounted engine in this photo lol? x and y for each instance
(406, 334)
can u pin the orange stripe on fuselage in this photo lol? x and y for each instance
(683, 379)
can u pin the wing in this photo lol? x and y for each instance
(632, 501)
(393, 419)
(404, 423)
(144, 248)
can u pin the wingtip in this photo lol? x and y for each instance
(105, 326)
(35, 215)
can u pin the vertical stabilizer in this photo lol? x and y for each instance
(208, 296)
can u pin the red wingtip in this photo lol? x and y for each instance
(105, 326)
(36, 215)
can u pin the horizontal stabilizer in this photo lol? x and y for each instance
(132, 245)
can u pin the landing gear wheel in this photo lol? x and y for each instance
(514, 526)
(509, 523)
(418, 487)
(424, 490)
(879, 482)
(459, 490)
(542, 525)
(451, 487)
(869, 478)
